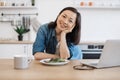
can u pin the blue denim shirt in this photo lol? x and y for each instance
(47, 41)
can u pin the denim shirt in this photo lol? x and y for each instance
(46, 41)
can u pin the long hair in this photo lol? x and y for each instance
(75, 35)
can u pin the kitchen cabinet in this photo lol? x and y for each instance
(8, 50)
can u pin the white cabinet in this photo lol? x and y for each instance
(9, 50)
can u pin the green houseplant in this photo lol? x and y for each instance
(21, 30)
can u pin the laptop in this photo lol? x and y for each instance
(110, 55)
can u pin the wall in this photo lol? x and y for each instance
(97, 24)
(100, 24)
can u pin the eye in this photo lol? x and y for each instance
(63, 16)
(70, 21)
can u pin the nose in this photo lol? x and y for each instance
(65, 22)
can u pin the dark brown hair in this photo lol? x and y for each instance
(75, 35)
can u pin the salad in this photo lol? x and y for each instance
(55, 60)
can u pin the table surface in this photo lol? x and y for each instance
(15, 42)
(38, 71)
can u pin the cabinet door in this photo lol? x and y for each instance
(28, 49)
(9, 50)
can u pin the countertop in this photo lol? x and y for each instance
(31, 42)
(38, 71)
(15, 42)
(92, 42)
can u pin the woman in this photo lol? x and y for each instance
(59, 39)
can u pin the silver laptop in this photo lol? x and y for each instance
(110, 55)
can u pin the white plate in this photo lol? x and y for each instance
(44, 61)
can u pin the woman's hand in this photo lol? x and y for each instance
(68, 30)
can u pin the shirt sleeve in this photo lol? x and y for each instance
(75, 52)
(39, 45)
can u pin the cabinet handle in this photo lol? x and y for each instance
(25, 49)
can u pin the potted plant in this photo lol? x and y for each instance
(33, 2)
(21, 30)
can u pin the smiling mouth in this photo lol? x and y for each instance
(63, 26)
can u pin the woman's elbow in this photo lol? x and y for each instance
(36, 56)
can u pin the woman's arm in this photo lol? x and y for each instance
(39, 44)
(64, 51)
(41, 55)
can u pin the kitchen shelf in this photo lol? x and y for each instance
(15, 42)
(18, 7)
(96, 4)
(97, 7)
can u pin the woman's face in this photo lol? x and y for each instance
(66, 20)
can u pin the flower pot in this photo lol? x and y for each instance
(20, 37)
(33, 2)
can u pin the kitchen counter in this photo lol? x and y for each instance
(92, 42)
(38, 71)
(15, 42)
(30, 42)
